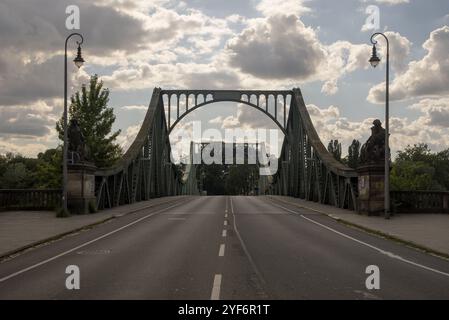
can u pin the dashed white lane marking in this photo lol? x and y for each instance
(225, 223)
(222, 250)
(224, 233)
(387, 253)
(215, 295)
(226, 215)
(84, 244)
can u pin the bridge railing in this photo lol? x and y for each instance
(420, 201)
(30, 199)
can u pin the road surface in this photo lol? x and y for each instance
(224, 248)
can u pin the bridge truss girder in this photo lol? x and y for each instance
(145, 171)
(306, 169)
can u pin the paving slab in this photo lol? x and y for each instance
(22, 229)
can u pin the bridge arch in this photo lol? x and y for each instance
(250, 98)
(306, 169)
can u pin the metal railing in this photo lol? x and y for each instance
(30, 199)
(420, 201)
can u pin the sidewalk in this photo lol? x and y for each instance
(429, 232)
(22, 229)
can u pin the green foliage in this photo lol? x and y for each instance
(16, 172)
(241, 179)
(334, 147)
(49, 169)
(409, 175)
(212, 178)
(419, 152)
(16, 176)
(417, 168)
(95, 119)
(353, 158)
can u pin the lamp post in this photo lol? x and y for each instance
(374, 61)
(78, 62)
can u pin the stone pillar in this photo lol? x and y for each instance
(371, 182)
(81, 187)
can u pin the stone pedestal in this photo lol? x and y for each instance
(371, 183)
(81, 187)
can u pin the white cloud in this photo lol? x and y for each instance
(393, 2)
(126, 138)
(331, 125)
(388, 2)
(427, 77)
(274, 7)
(283, 49)
(277, 48)
(436, 111)
(132, 108)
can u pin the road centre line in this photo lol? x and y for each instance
(216, 287)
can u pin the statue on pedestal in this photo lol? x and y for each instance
(77, 148)
(373, 151)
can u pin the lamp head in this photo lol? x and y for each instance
(374, 60)
(79, 61)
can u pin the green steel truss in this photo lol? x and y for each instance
(305, 169)
(145, 171)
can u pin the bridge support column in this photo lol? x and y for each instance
(81, 188)
(371, 183)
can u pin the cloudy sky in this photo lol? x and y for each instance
(320, 46)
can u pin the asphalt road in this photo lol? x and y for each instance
(224, 248)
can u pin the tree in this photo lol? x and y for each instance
(95, 119)
(419, 152)
(417, 168)
(409, 175)
(334, 147)
(49, 169)
(16, 172)
(441, 164)
(354, 154)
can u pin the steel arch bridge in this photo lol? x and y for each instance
(306, 169)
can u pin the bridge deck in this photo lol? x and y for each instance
(227, 248)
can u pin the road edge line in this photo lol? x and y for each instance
(378, 233)
(13, 253)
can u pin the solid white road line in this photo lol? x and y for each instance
(215, 295)
(387, 253)
(84, 244)
(224, 233)
(222, 250)
(245, 249)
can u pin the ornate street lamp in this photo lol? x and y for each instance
(374, 61)
(79, 61)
